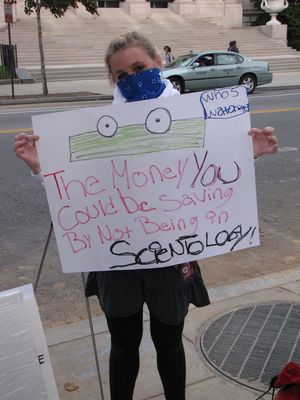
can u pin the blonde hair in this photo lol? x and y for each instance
(129, 39)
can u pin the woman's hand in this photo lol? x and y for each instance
(25, 148)
(264, 141)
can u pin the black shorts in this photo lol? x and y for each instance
(166, 291)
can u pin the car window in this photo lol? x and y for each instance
(227, 59)
(206, 60)
(239, 59)
(181, 61)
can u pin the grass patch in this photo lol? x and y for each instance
(4, 74)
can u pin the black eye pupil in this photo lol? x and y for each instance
(106, 125)
(157, 120)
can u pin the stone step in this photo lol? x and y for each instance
(98, 55)
(179, 49)
(182, 43)
(99, 72)
(52, 36)
(80, 37)
(92, 55)
(52, 64)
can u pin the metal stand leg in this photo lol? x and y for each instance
(35, 287)
(37, 279)
(87, 303)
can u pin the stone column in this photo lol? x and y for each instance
(185, 7)
(136, 7)
(278, 32)
(227, 13)
(212, 10)
(2, 23)
(233, 13)
(18, 10)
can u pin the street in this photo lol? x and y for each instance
(25, 219)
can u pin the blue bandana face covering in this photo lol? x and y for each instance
(142, 85)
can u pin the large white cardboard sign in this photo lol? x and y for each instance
(25, 367)
(151, 183)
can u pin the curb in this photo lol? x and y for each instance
(101, 97)
(279, 87)
(58, 99)
(81, 329)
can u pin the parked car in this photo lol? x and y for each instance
(215, 69)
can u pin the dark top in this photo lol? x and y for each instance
(233, 48)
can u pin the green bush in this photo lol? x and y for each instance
(4, 74)
(291, 17)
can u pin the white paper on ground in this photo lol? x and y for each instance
(25, 366)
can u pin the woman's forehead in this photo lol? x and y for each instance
(129, 56)
(131, 52)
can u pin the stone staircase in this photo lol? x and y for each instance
(74, 45)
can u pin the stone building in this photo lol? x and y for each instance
(227, 13)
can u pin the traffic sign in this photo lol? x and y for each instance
(8, 13)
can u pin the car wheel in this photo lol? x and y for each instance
(178, 84)
(249, 81)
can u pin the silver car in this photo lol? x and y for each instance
(215, 69)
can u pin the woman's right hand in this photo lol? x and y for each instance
(25, 148)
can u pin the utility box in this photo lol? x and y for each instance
(24, 76)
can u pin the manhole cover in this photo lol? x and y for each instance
(252, 344)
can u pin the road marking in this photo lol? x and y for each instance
(267, 96)
(51, 109)
(15, 130)
(271, 110)
(275, 110)
(284, 149)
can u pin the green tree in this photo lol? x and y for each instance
(58, 8)
(290, 16)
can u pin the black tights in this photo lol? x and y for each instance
(126, 335)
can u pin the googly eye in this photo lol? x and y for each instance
(158, 121)
(107, 126)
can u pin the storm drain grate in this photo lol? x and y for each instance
(250, 345)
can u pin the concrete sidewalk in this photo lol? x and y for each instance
(101, 89)
(70, 345)
(71, 351)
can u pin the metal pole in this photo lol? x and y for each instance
(35, 286)
(11, 61)
(93, 338)
(37, 279)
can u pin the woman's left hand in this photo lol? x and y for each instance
(264, 141)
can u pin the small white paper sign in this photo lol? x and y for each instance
(151, 183)
(25, 367)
